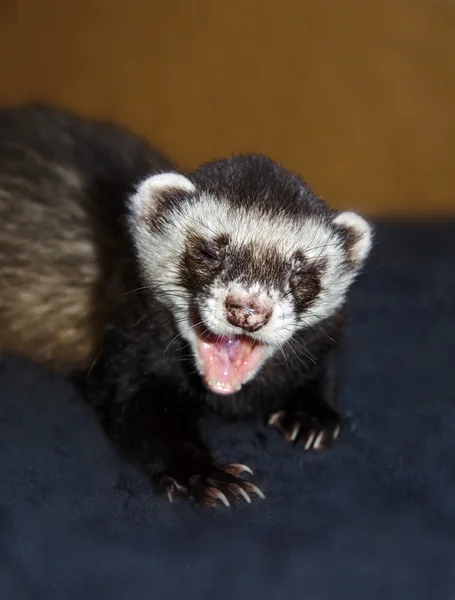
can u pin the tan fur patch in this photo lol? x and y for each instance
(49, 274)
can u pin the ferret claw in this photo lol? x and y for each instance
(294, 432)
(213, 491)
(276, 417)
(237, 468)
(309, 441)
(314, 428)
(318, 440)
(237, 489)
(172, 487)
(211, 485)
(254, 488)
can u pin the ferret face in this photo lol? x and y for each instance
(244, 256)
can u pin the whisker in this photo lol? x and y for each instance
(170, 343)
(145, 287)
(95, 360)
(299, 349)
(296, 355)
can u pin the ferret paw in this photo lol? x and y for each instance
(210, 485)
(314, 429)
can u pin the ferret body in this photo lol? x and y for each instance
(221, 289)
(62, 185)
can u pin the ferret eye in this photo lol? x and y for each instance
(297, 277)
(207, 251)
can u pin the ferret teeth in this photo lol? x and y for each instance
(336, 432)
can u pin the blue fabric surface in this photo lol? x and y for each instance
(374, 517)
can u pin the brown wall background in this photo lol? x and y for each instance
(358, 96)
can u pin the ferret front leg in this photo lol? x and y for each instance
(162, 438)
(309, 418)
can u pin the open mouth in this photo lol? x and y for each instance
(228, 362)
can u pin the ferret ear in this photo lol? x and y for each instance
(358, 236)
(157, 192)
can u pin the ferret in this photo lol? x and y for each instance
(224, 290)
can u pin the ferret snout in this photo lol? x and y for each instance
(247, 312)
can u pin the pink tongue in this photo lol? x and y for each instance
(228, 362)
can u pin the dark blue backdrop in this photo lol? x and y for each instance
(373, 518)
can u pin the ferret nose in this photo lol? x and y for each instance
(249, 314)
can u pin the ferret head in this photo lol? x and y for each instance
(244, 255)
